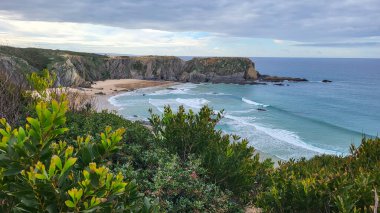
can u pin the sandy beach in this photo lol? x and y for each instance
(101, 91)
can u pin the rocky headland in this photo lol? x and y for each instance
(80, 69)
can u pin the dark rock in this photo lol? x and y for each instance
(86, 84)
(268, 78)
(326, 81)
(99, 93)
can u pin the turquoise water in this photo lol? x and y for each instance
(300, 120)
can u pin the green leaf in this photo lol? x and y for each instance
(69, 163)
(51, 169)
(69, 203)
(57, 161)
(33, 122)
(12, 171)
(59, 131)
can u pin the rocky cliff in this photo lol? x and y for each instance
(219, 70)
(75, 69)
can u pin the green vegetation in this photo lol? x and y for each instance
(43, 58)
(230, 163)
(326, 183)
(159, 174)
(64, 158)
(39, 173)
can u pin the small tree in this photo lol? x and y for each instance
(39, 173)
(230, 163)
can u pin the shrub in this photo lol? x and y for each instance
(39, 173)
(231, 164)
(151, 165)
(326, 183)
(182, 188)
(83, 123)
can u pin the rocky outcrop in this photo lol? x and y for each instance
(269, 78)
(219, 70)
(144, 67)
(79, 69)
(75, 69)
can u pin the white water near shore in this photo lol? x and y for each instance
(241, 116)
(291, 121)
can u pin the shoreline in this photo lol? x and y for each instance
(102, 91)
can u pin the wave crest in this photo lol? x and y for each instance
(253, 102)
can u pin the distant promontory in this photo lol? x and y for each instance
(80, 69)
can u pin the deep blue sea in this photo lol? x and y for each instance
(300, 120)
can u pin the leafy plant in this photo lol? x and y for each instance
(326, 183)
(39, 173)
(231, 164)
(40, 82)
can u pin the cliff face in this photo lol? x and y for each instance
(227, 70)
(145, 67)
(74, 69)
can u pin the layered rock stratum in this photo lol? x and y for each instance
(78, 69)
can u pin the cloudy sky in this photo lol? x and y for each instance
(279, 28)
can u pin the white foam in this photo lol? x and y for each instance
(161, 103)
(196, 103)
(292, 138)
(253, 102)
(241, 120)
(113, 100)
(286, 136)
(176, 89)
(244, 111)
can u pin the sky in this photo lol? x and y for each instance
(248, 28)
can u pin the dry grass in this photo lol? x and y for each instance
(11, 99)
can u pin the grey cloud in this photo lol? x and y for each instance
(340, 44)
(308, 20)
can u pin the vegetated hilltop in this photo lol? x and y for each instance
(78, 69)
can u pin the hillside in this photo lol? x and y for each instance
(77, 69)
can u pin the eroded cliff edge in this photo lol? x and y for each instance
(79, 69)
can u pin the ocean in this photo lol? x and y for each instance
(296, 120)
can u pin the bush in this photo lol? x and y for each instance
(231, 164)
(182, 188)
(151, 165)
(326, 183)
(39, 173)
(83, 123)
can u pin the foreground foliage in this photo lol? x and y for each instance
(229, 162)
(326, 183)
(73, 161)
(178, 186)
(39, 173)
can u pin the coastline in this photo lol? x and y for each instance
(101, 91)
